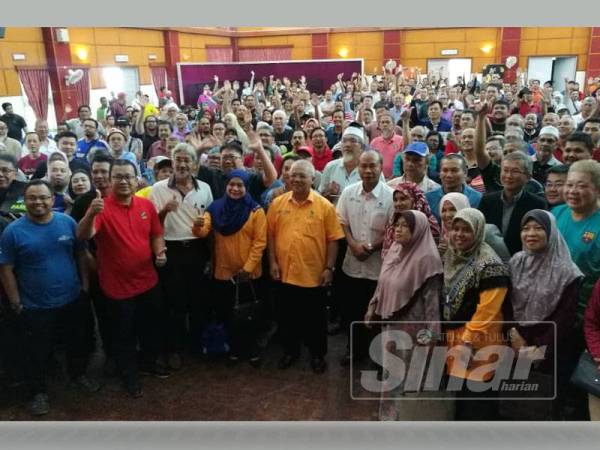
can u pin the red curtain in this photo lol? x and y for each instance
(35, 83)
(266, 54)
(159, 78)
(82, 89)
(219, 54)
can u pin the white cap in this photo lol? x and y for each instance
(552, 131)
(356, 132)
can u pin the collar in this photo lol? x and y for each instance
(171, 183)
(309, 199)
(376, 192)
(515, 199)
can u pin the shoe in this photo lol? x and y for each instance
(134, 387)
(286, 361)
(155, 370)
(86, 384)
(39, 405)
(175, 362)
(318, 364)
(255, 361)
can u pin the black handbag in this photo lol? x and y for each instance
(586, 375)
(246, 308)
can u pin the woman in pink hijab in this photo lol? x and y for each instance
(409, 289)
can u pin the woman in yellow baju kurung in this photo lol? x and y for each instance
(476, 282)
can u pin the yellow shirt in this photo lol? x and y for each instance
(144, 192)
(301, 233)
(480, 332)
(242, 250)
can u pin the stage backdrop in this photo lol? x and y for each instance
(320, 74)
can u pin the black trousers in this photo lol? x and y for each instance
(134, 320)
(100, 310)
(302, 318)
(336, 299)
(241, 337)
(358, 292)
(42, 328)
(186, 292)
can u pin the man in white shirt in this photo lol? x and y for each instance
(47, 146)
(364, 209)
(181, 201)
(415, 160)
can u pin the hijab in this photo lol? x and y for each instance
(539, 278)
(70, 188)
(419, 204)
(478, 267)
(229, 215)
(458, 200)
(406, 268)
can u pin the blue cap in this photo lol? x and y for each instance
(417, 148)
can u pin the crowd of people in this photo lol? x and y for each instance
(286, 215)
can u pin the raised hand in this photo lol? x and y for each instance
(171, 205)
(97, 205)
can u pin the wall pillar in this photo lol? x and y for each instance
(320, 46)
(511, 45)
(58, 57)
(593, 60)
(172, 57)
(391, 46)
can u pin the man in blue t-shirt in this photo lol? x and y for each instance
(39, 258)
(90, 140)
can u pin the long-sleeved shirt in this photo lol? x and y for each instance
(242, 250)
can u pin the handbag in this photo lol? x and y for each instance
(246, 307)
(586, 375)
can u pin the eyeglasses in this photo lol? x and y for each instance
(513, 172)
(6, 170)
(120, 178)
(33, 198)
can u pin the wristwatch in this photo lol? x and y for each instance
(332, 269)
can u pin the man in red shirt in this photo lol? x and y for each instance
(128, 237)
(528, 105)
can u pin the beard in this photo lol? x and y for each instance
(348, 157)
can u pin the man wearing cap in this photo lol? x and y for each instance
(118, 105)
(389, 144)
(415, 160)
(132, 144)
(116, 146)
(544, 153)
(339, 173)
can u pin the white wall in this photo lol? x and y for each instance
(21, 107)
(96, 94)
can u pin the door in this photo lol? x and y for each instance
(122, 79)
(451, 68)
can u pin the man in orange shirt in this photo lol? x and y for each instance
(303, 230)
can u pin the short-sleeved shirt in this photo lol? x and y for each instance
(366, 214)
(84, 147)
(16, 124)
(178, 224)
(43, 256)
(147, 141)
(284, 138)
(301, 233)
(123, 249)
(583, 240)
(388, 148)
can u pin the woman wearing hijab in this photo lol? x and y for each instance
(240, 229)
(545, 283)
(409, 290)
(80, 183)
(453, 202)
(475, 285)
(407, 196)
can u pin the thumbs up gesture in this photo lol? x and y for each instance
(171, 205)
(97, 205)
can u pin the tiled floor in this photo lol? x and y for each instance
(212, 391)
